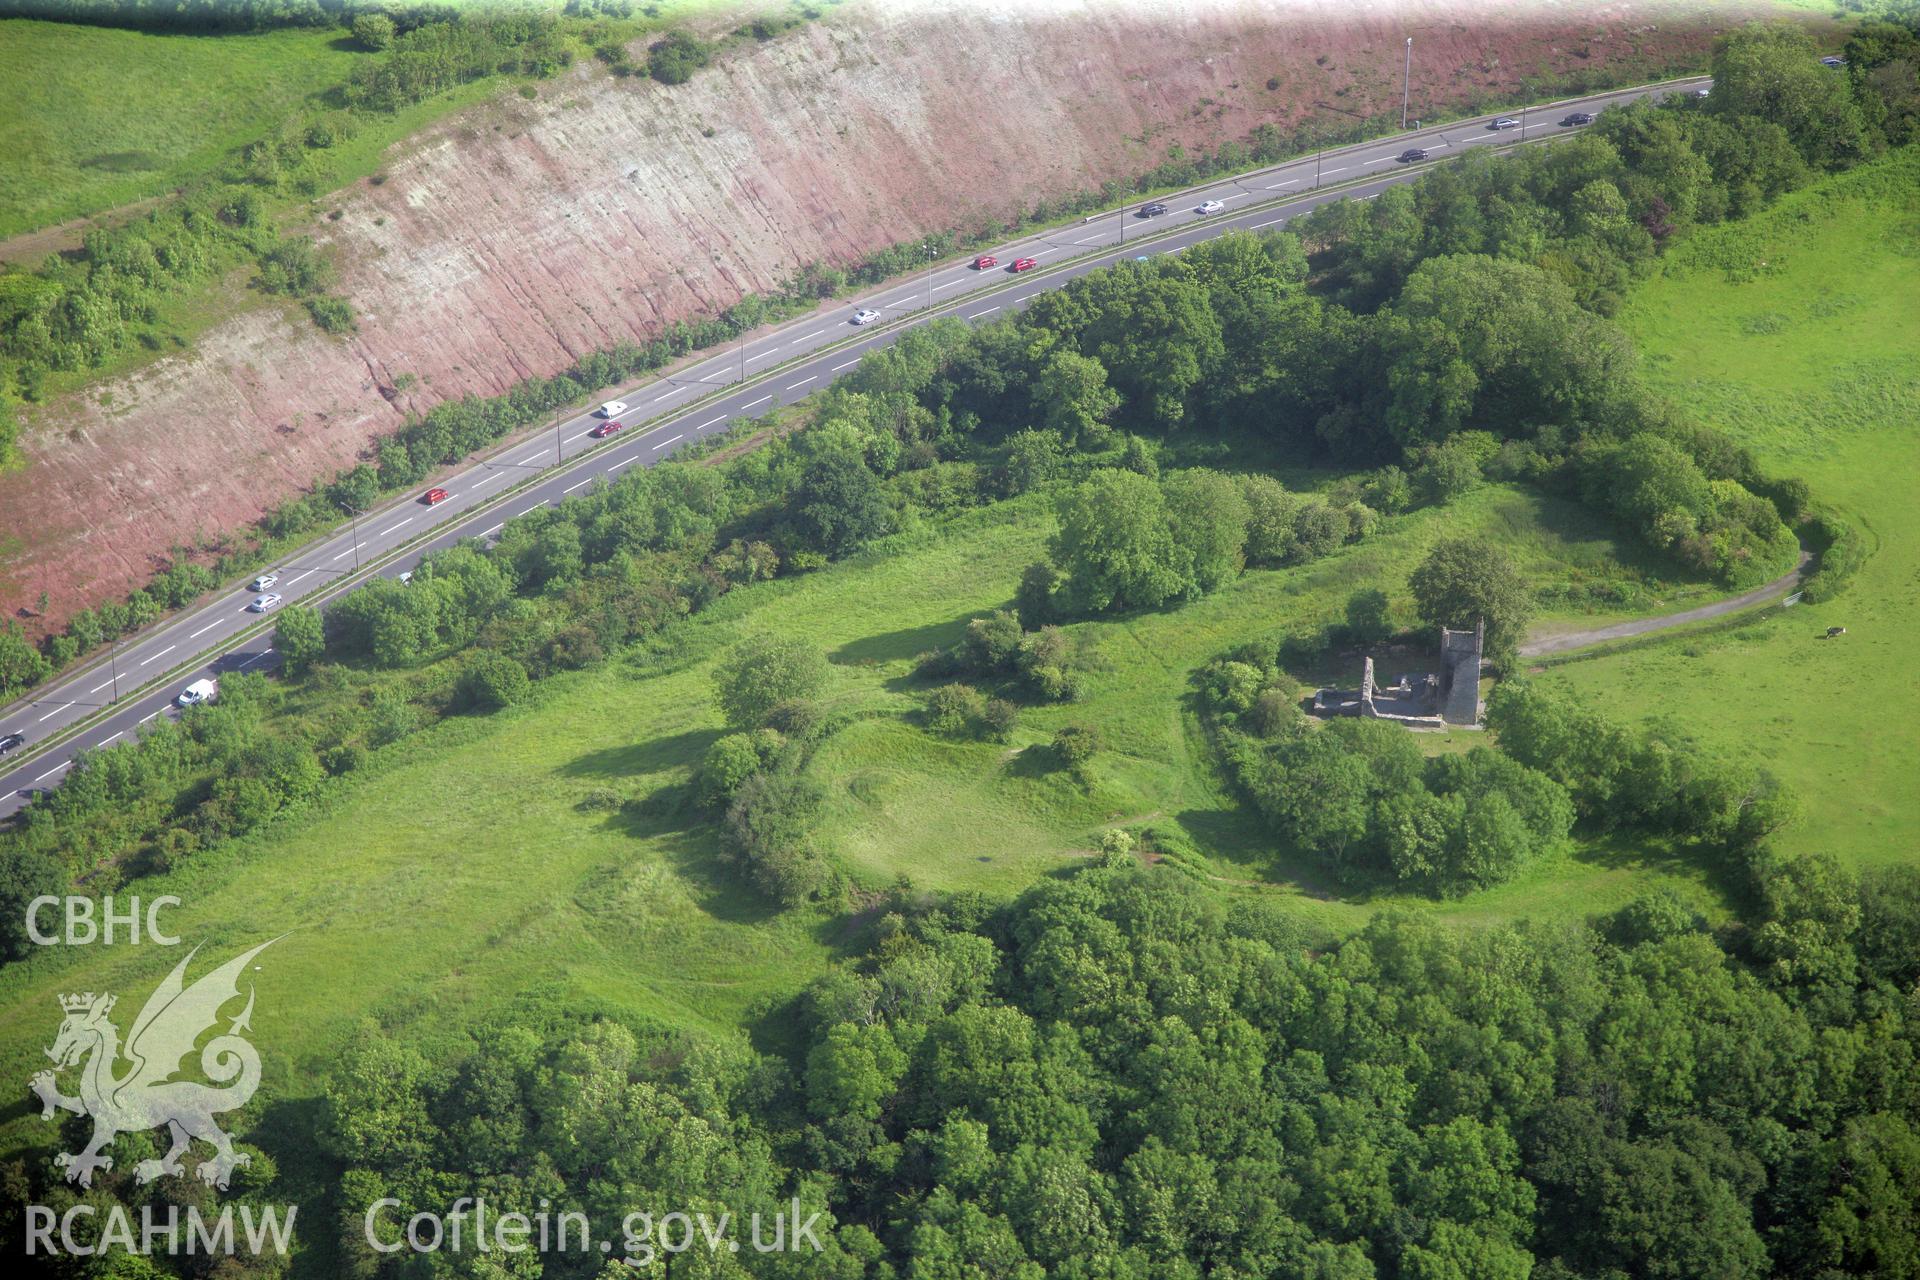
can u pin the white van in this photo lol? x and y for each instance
(198, 692)
(613, 408)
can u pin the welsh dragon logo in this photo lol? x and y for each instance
(145, 1096)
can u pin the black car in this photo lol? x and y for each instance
(1153, 210)
(11, 742)
(1578, 117)
(1412, 154)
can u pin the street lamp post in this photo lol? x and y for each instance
(353, 519)
(113, 665)
(931, 254)
(1406, 85)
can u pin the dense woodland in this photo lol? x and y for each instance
(1119, 1074)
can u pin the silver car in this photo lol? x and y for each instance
(865, 315)
(263, 603)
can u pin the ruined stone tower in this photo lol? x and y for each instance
(1460, 673)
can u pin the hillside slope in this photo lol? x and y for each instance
(525, 232)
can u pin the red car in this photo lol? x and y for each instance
(984, 261)
(604, 430)
(432, 496)
(1025, 264)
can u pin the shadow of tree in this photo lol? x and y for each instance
(899, 646)
(654, 755)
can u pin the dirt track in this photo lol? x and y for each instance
(1645, 626)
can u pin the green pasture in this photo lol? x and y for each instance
(1797, 332)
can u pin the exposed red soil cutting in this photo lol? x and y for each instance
(520, 234)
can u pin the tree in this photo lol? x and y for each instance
(1858, 1215)
(25, 874)
(373, 30)
(1464, 581)
(1480, 341)
(1447, 471)
(1208, 516)
(674, 59)
(1033, 600)
(838, 505)
(1772, 71)
(730, 761)
(770, 824)
(1076, 745)
(1116, 545)
(495, 681)
(1369, 616)
(853, 1071)
(1156, 335)
(1271, 514)
(763, 672)
(1071, 395)
(956, 709)
(299, 638)
(1034, 458)
(21, 665)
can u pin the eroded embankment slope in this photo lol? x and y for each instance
(519, 234)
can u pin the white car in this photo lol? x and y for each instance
(263, 603)
(198, 692)
(1505, 122)
(1212, 206)
(406, 577)
(612, 409)
(865, 315)
(264, 581)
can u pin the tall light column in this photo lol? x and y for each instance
(1406, 85)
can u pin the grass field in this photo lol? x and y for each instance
(92, 118)
(487, 860)
(1798, 334)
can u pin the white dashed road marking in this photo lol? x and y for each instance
(848, 365)
(803, 382)
(570, 488)
(163, 653)
(989, 311)
(57, 768)
(202, 631)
